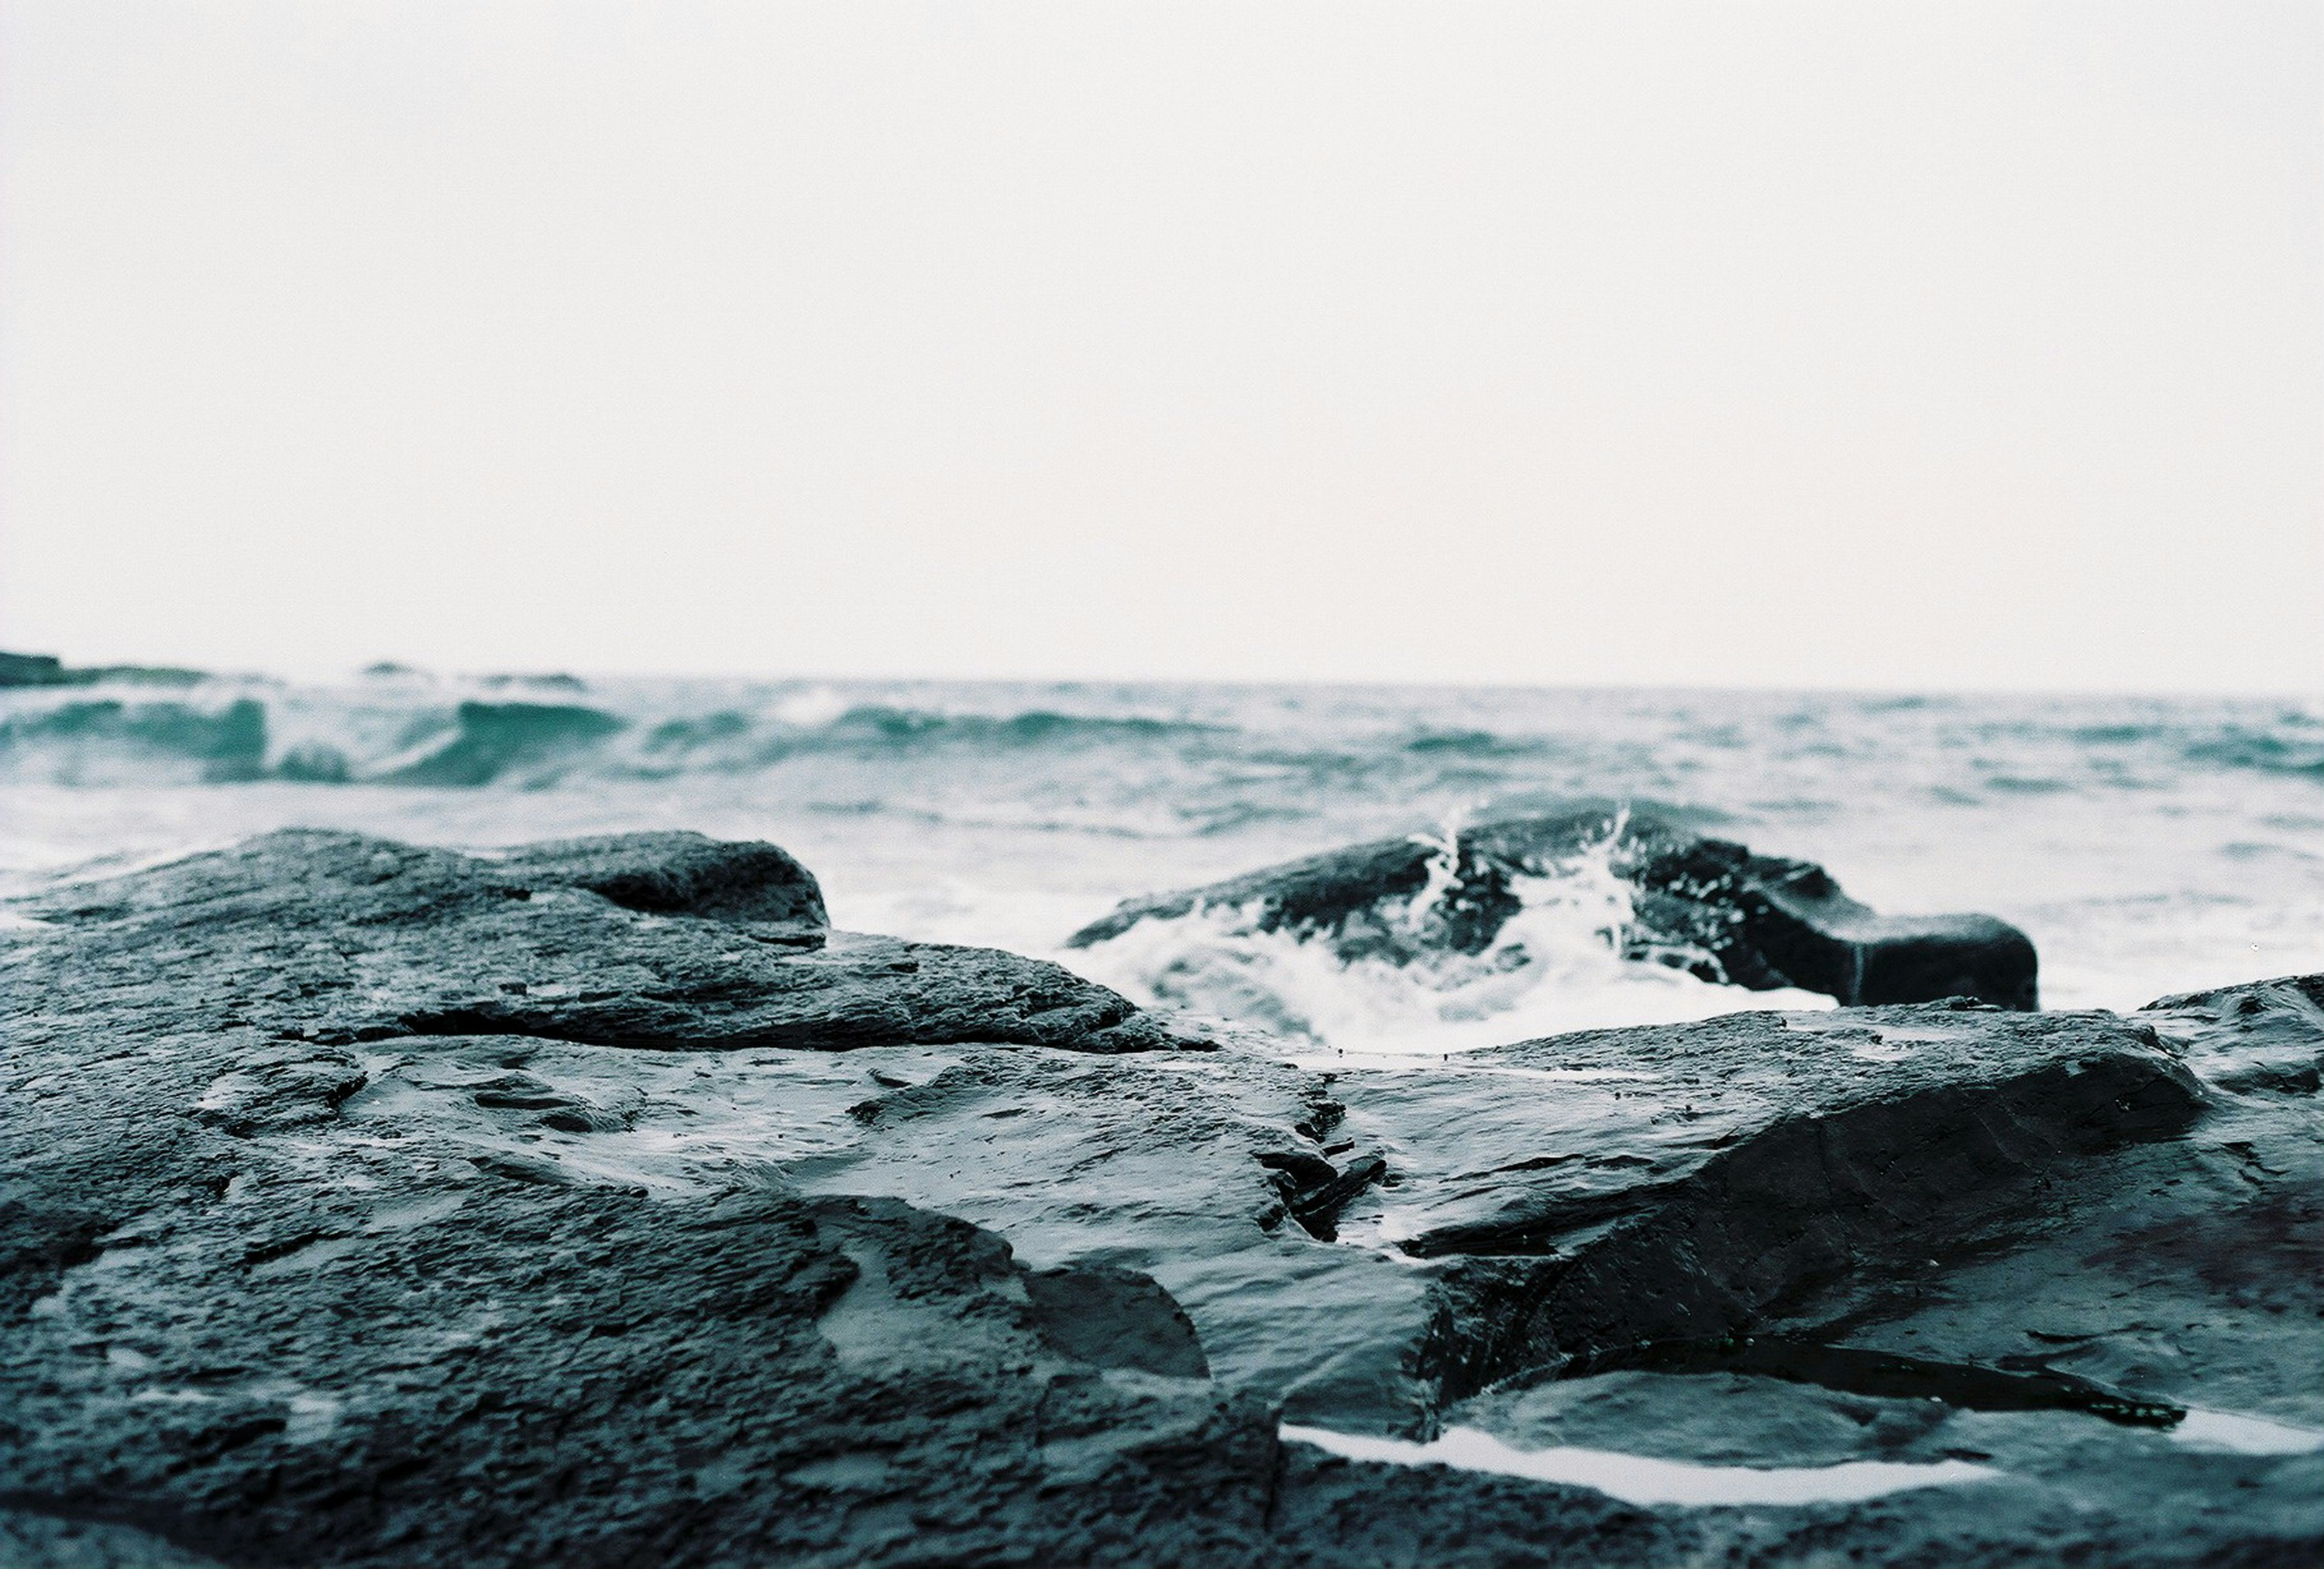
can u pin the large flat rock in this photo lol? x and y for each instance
(321, 1350)
(2132, 1332)
(1692, 1181)
(646, 940)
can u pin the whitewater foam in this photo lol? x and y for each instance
(1558, 964)
(1642, 1479)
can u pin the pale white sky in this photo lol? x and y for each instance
(1847, 343)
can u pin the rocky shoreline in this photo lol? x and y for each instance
(596, 1203)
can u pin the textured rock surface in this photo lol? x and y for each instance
(1707, 904)
(2054, 1325)
(678, 874)
(1706, 1177)
(432, 1359)
(320, 1243)
(337, 937)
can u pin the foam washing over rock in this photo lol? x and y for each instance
(1473, 909)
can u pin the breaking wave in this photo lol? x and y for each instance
(399, 732)
(115, 741)
(112, 741)
(400, 726)
(488, 739)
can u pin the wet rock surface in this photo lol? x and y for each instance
(336, 938)
(594, 1203)
(1705, 1177)
(1702, 903)
(2099, 1278)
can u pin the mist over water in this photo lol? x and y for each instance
(2147, 845)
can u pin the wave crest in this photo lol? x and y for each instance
(117, 741)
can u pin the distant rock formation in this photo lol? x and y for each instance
(48, 670)
(1706, 904)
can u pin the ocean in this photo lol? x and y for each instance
(2148, 845)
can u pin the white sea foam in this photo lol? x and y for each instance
(1555, 966)
(1641, 1479)
(810, 708)
(2224, 1430)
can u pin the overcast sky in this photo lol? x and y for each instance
(1929, 346)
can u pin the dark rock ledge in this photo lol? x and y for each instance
(1704, 905)
(593, 1203)
(650, 941)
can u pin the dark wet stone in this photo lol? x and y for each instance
(1687, 1181)
(497, 1372)
(2055, 1277)
(335, 937)
(1707, 904)
(1116, 1318)
(1178, 1166)
(1887, 1374)
(2262, 1036)
(679, 874)
(31, 670)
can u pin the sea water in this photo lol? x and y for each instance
(2147, 845)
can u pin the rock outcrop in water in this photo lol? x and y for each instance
(368, 1205)
(1707, 904)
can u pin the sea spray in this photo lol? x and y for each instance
(1558, 964)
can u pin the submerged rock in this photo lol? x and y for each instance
(1702, 903)
(368, 1205)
